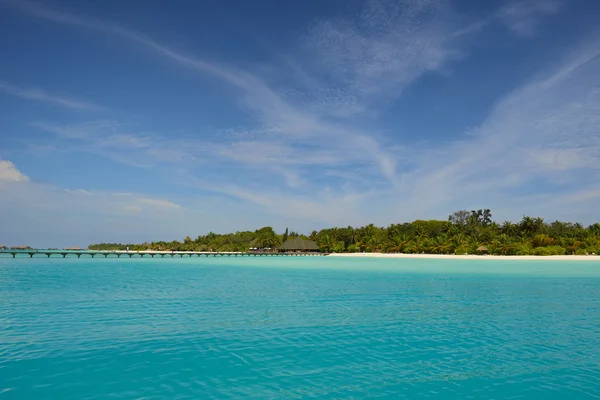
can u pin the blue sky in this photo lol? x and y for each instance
(149, 120)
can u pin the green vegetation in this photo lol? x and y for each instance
(463, 233)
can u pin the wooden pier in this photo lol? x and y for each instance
(141, 254)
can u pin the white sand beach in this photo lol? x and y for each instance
(467, 257)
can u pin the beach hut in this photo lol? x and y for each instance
(482, 250)
(299, 245)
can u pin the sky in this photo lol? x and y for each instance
(152, 120)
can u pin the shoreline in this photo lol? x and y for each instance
(339, 255)
(466, 257)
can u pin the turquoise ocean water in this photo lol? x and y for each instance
(318, 327)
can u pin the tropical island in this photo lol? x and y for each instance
(465, 232)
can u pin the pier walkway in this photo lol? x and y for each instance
(140, 254)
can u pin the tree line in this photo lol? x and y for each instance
(465, 232)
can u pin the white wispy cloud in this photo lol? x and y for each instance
(543, 135)
(321, 207)
(115, 140)
(336, 171)
(159, 203)
(393, 42)
(47, 215)
(10, 173)
(79, 192)
(385, 48)
(522, 17)
(43, 96)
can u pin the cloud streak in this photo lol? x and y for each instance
(522, 17)
(390, 43)
(385, 48)
(44, 215)
(544, 136)
(159, 203)
(43, 96)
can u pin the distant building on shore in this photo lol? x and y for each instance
(73, 248)
(20, 248)
(3, 247)
(482, 250)
(299, 245)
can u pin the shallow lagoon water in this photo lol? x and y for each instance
(316, 327)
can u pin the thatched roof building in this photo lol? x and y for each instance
(299, 244)
(482, 250)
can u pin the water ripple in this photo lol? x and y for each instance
(214, 329)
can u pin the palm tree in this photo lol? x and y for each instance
(593, 241)
(441, 244)
(368, 238)
(508, 228)
(393, 230)
(211, 236)
(420, 233)
(579, 231)
(489, 233)
(326, 242)
(335, 234)
(353, 233)
(369, 230)
(594, 228)
(397, 244)
(531, 225)
(458, 242)
(539, 224)
(424, 245)
(542, 240)
(503, 245)
(453, 230)
(558, 228)
(266, 239)
(373, 245)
